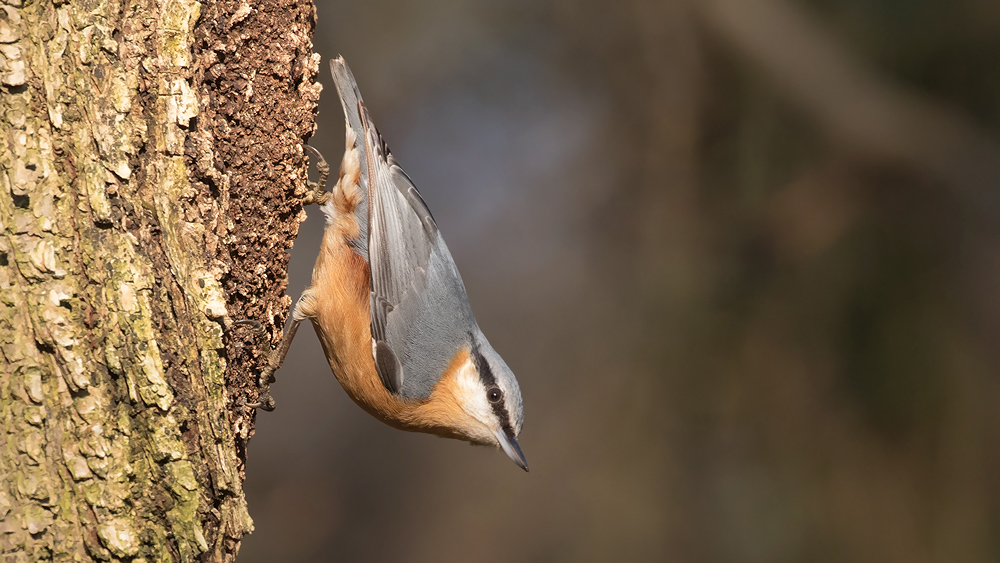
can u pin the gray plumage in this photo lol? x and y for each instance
(420, 313)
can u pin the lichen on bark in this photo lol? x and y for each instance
(128, 210)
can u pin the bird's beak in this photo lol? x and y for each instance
(510, 447)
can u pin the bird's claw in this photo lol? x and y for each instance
(317, 190)
(264, 401)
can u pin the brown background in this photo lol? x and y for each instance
(742, 256)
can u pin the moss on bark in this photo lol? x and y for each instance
(130, 204)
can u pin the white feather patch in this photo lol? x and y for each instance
(472, 396)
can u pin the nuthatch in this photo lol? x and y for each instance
(389, 305)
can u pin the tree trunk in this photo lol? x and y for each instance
(151, 172)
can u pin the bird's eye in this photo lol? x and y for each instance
(494, 394)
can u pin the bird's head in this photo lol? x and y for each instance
(483, 398)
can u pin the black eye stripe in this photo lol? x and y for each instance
(489, 381)
(483, 367)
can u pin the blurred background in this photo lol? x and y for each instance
(741, 254)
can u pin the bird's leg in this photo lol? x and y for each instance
(317, 190)
(277, 356)
(274, 361)
(317, 194)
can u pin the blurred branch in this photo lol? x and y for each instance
(856, 106)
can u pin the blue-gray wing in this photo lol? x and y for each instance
(420, 314)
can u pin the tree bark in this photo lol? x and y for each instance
(151, 170)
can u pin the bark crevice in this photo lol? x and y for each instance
(135, 215)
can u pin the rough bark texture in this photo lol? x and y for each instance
(151, 168)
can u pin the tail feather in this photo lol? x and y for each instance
(350, 98)
(355, 194)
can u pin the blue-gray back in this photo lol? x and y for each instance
(420, 314)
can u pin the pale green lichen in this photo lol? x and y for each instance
(182, 479)
(154, 391)
(166, 439)
(184, 515)
(101, 493)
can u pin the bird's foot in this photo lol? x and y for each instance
(317, 190)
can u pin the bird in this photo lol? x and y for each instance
(388, 303)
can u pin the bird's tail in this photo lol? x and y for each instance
(353, 185)
(350, 98)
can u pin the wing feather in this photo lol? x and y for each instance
(420, 315)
